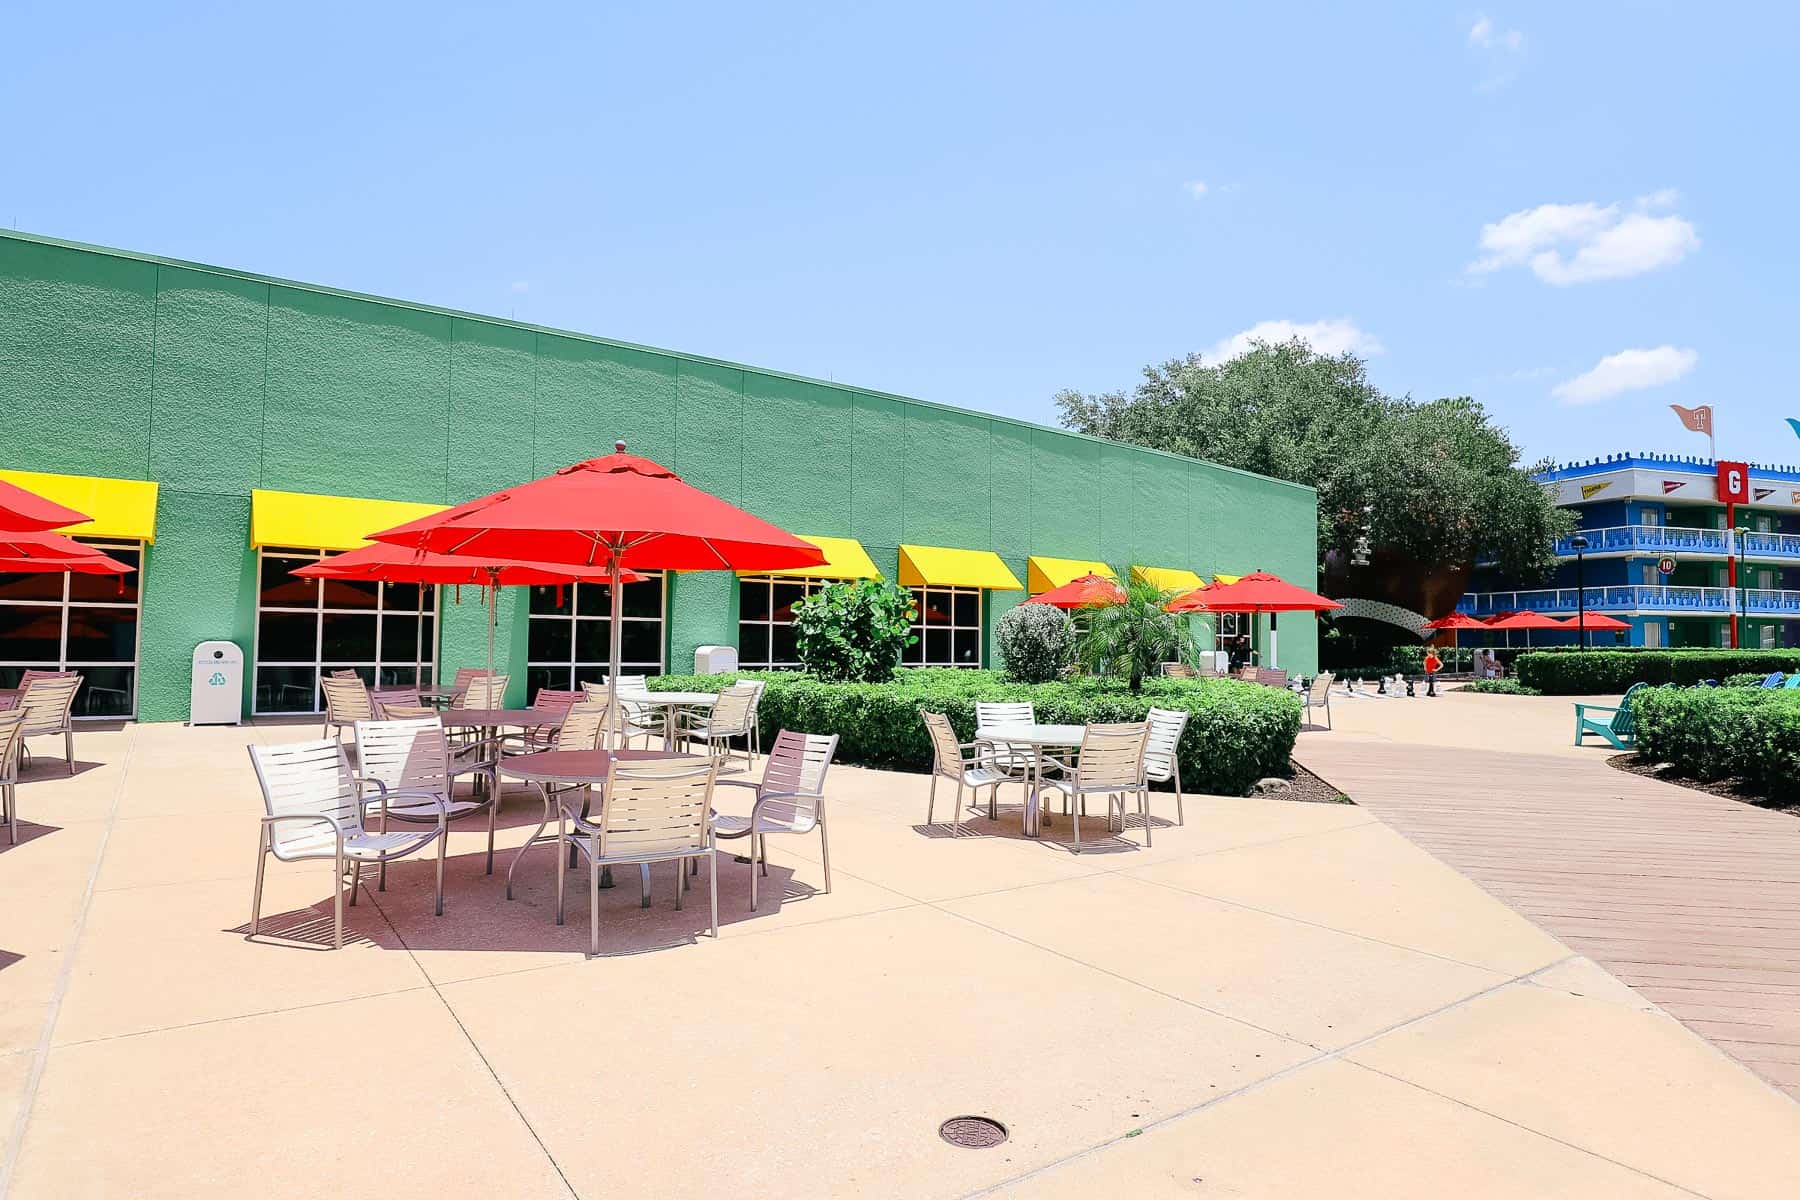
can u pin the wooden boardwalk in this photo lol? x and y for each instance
(1692, 899)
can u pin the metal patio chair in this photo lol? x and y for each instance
(649, 812)
(975, 771)
(1318, 696)
(1162, 760)
(484, 691)
(790, 798)
(638, 720)
(555, 706)
(347, 701)
(313, 809)
(1111, 764)
(1016, 761)
(12, 722)
(414, 759)
(731, 717)
(48, 706)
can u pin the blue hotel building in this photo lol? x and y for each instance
(1639, 510)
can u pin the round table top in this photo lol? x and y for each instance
(1034, 735)
(488, 718)
(580, 766)
(668, 697)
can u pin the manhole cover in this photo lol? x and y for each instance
(972, 1133)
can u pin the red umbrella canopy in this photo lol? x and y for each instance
(1458, 621)
(1262, 592)
(619, 506)
(38, 552)
(1089, 591)
(1526, 620)
(28, 511)
(1192, 602)
(396, 565)
(1595, 621)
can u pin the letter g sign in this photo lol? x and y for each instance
(1734, 482)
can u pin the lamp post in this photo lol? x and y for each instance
(1580, 544)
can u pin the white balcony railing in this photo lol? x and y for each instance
(1636, 598)
(1679, 539)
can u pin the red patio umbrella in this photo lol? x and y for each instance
(51, 552)
(1089, 591)
(392, 564)
(30, 512)
(616, 511)
(1527, 620)
(1457, 621)
(1595, 620)
(1191, 602)
(1261, 592)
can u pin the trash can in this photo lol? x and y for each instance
(715, 660)
(217, 695)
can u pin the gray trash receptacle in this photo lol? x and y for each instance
(217, 694)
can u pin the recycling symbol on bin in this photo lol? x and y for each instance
(217, 679)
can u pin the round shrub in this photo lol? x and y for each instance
(1036, 641)
(1751, 734)
(854, 631)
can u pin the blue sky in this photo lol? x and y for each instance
(1571, 212)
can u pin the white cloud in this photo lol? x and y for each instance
(1333, 335)
(1195, 188)
(1565, 244)
(521, 286)
(1484, 35)
(1627, 371)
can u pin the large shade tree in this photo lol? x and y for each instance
(1440, 483)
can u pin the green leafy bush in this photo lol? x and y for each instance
(1499, 687)
(1604, 672)
(1237, 732)
(854, 631)
(1036, 642)
(1744, 679)
(1132, 639)
(1751, 734)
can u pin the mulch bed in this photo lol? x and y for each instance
(1310, 789)
(1731, 789)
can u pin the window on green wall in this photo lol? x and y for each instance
(568, 642)
(82, 623)
(766, 619)
(306, 628)
(947, 628)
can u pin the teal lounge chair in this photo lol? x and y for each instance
(1774, 679)
(1617, 726)
(1793, 681)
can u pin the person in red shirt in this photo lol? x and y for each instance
(1433, 664)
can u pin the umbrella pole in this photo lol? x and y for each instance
(1273, 617)
(612, 677)
(419, 642)
(493, 616)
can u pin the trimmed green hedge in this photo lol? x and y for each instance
(1238, 733)
(1606, 672)
(1499, 687)
(1709, 734)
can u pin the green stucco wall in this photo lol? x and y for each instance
(215, 382)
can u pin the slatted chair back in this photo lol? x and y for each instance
(1010, 712)
(412, 754)
(47, 702)
(1320, 691)
(12, 736)
(32, 673)
(464, 675)
(1624, 722)
(557, 701)
(346, 700)
(305, 779)
(654, 808)
(403, 712)
(946, 752)
(581, 727)
(1112, 757)
(345, 673)
(1271, 677)
(485, 691)
(730, 713)
(796, 767)
(1179, 670)
(1166, 728)
(381, 698)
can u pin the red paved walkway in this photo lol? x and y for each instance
(1692, 899)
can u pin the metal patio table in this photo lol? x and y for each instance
(669, 702)
(1039, 738)
(572, 769)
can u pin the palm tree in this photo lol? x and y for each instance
(1135, 637)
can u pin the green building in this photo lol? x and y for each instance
(224, 427)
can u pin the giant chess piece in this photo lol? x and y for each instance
(1409, 688)
(1381, 688)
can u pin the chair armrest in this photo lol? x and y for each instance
(743, 783)
(1598, 708)
(337, 826)
(442, 804)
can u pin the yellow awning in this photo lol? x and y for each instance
(1043, 573)
(1167, 579)
(845, 558)
(309, 522)
(1221, 577)
(120, 508)
(940, 566)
